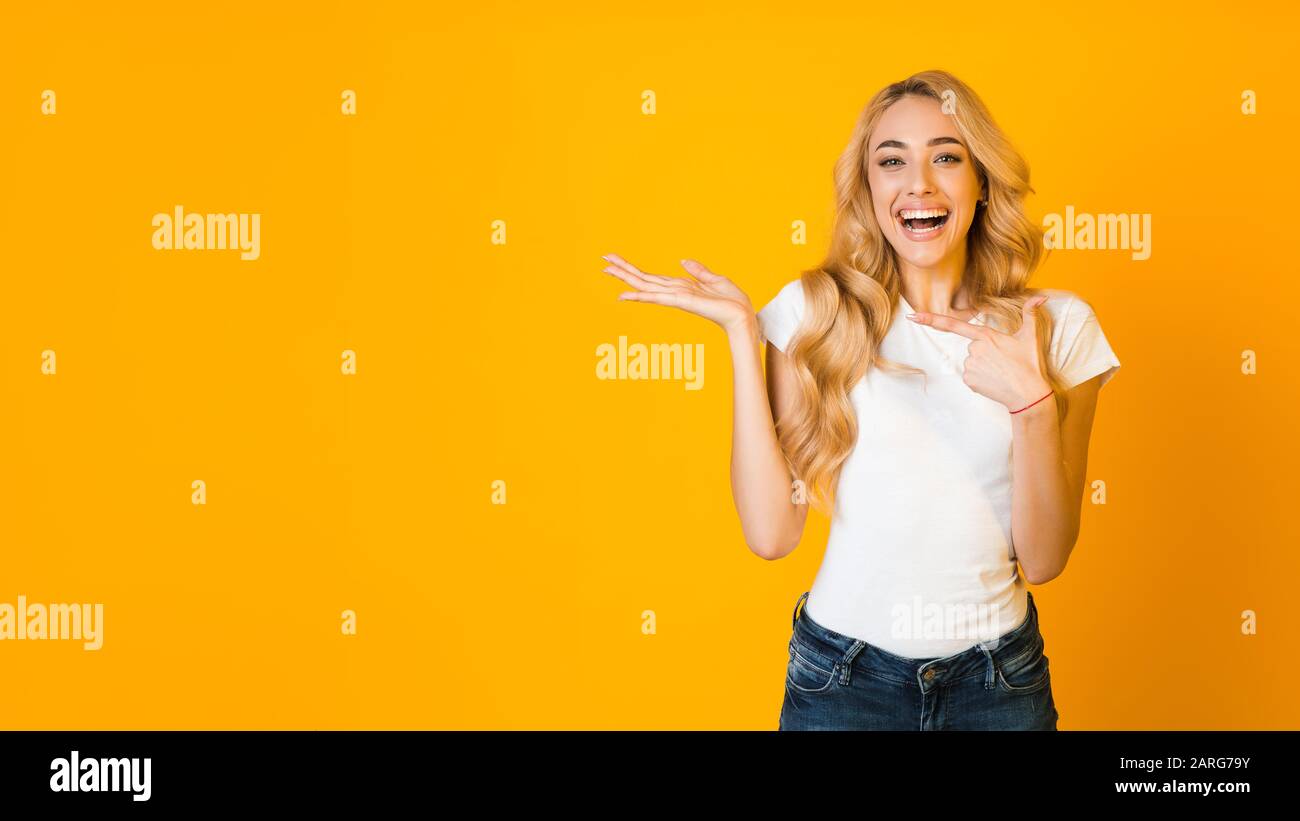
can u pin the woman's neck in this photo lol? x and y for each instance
(937, 294)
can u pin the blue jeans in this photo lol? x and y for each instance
(834, 682)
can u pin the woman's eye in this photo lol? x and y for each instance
(889, 162)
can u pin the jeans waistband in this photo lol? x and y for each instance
(846, 652)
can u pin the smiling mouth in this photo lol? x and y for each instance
(923, 222)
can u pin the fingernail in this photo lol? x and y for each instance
(911, 316)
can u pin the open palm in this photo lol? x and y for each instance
(709, 295)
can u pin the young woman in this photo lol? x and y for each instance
(939, 408)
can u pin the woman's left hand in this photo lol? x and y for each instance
(1004, 367)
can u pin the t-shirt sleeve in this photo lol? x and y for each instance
(779, 319)
(1080, 348)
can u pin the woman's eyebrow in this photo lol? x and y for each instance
(934, 142)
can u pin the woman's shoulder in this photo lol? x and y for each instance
(779, 318)
(1071, 312)
(789, 300)
(1079, 346)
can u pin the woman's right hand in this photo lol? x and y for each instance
(713, 296)
(761, 484)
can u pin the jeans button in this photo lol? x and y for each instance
(929, 674)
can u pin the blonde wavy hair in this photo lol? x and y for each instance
(850, 297)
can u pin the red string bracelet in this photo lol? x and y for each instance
(1035, 402)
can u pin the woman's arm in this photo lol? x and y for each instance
(760, 478)
(1049, 463)
(761, 484)
(1048, 458)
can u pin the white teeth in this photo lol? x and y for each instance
(922, 230)
(932, 212)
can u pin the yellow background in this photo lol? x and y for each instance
(476, 361)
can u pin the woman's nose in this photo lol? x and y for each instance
(921, 183)
(921, 187)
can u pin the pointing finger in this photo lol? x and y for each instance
(943, 322)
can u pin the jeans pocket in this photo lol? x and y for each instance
(808, 671)
(1028, 672)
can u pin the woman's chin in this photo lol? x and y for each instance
(926, 256)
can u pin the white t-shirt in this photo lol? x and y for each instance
(919, 561)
